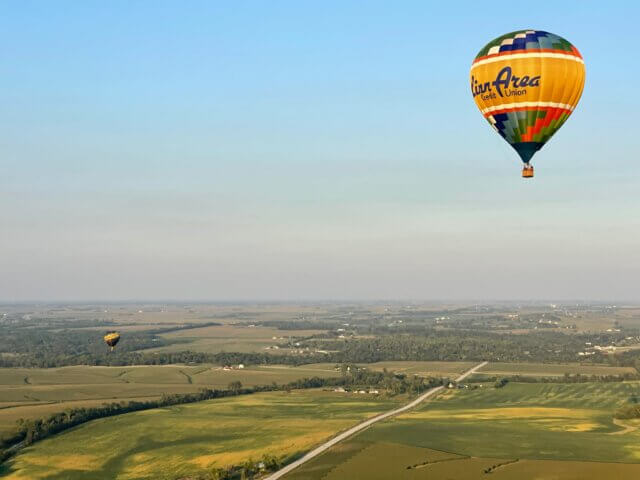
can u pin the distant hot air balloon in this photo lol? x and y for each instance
(111, 339)
(526, 84)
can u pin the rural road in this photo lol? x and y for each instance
(342, 436)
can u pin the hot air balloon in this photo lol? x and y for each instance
(111, 339)
(526, 84)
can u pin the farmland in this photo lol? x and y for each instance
(361, 460)
(552, 370)
(230, 338)
(545, 427)
(190, 438)
(58, 362)
(424, 369)
(32, 393)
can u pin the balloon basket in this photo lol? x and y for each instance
(527, 171)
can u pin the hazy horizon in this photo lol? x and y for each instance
(559, 302)
(293, 151)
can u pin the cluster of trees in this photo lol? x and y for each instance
(630, 411)
(458, 346)
(501, 382)
(393, 383)
(121, 357)
(629, 358)
(497, 465)
(37, 347)
(353, 377)
(245, 471)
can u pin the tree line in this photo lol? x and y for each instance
(119, 358)
(459, 346)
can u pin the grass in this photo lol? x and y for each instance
(33, 393)
(552, 370)
(167, 443)
(559, 431)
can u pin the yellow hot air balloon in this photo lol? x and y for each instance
(526, 84)
(111, 339)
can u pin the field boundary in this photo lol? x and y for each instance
(367, 423)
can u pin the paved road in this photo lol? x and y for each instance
(338, 438)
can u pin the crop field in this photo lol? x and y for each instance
(559, 431)
(230, 338)
(552, 370)
(362, 460)
(423, 369)
(191, 438)
(32, 393)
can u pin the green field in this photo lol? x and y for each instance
(169, 442)
(362, 460)
(552, 370)
(230, 338)
(549, 428)
(424, 369)
(33, 393)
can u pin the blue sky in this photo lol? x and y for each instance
(305, 150)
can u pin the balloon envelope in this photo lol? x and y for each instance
(112, 339)
(526, 84)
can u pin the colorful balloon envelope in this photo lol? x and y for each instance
(526, 84)
(111, 339)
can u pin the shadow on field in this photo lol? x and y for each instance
(6, 468)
